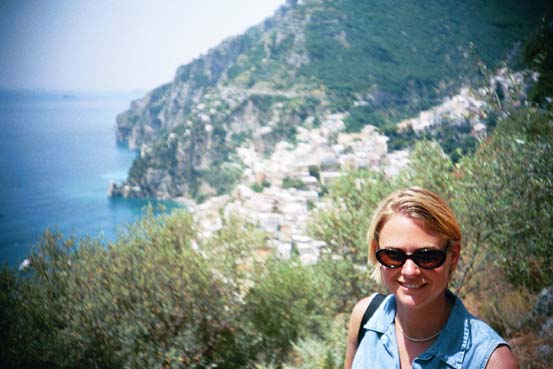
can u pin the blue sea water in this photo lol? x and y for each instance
(58, 154)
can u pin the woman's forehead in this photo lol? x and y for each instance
(400, 230)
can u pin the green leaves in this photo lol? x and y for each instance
(343, 225)
(150, 298)
(285, 303)
(507, 200)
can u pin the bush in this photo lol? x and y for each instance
(221, 178)
(505, 198)
(344, 224)
(287, 301)
(30, 322)
(315, 171)
(151, 299)
(288, 182)
(258, 187)
(327, 352)
(154, 299)
(350, 283)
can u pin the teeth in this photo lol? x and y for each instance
(411, 286)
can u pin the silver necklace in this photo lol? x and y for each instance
(418, 339)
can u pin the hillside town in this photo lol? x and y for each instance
(283, 211)
(266, 198)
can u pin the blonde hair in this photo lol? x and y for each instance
(416, 203)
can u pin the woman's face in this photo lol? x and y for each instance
(413, 286)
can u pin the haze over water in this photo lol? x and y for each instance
(58, 154)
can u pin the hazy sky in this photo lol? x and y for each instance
(113, 44)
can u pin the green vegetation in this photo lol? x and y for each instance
(296, 183)
(344, 226)
(222, 178)
(161, 296)
(512, 173)
(315, 171)
(153, 299)
(457, 140)
(258, 187)
(285, 304)
(402, 57)
(539, 53)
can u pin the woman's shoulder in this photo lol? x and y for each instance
(360, 308)
(363, 304)
(502, 358)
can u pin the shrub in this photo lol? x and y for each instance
(288, 182)
(344, 224)
(151, 299)
(286, 302)
(350, 282)
(221, 178)
(505, 198)
(315, 171)
(30, 321)
(313, 352)
(258, 187)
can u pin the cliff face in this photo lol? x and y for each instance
(371, 61)
(213, 81)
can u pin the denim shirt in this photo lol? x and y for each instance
(464, 343)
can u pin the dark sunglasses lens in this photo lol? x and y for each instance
(429, 259)
(390, 258)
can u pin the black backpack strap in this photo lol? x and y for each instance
(375, 303)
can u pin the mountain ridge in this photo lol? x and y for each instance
(375, 62)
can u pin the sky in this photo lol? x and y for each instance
(113, 45)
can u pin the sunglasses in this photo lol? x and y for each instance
(424, 258)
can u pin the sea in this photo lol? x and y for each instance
(58, 154)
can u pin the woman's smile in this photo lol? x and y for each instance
(411, 286)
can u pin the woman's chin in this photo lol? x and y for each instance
(410, 296)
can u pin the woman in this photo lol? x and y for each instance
(415, 240)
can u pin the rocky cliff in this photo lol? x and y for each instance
(370, 61)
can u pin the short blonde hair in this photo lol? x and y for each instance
(419, 204)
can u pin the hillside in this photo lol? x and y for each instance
(376, 62)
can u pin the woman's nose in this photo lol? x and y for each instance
(410, 268)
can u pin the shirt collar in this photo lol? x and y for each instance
(452, 343)
(384, 316)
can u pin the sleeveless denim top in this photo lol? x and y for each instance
(464, 343)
